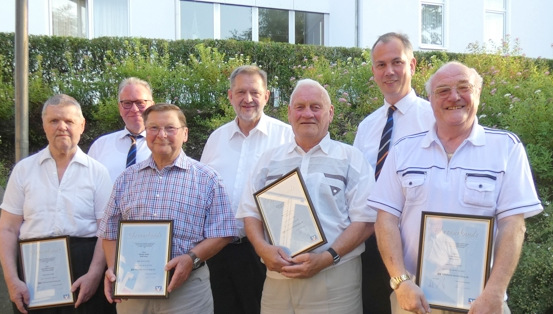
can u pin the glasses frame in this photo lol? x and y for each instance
(143, 103)
(447, 93)
(155, 130)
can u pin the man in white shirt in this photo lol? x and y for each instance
(338, 180)
(393, 65)
(114, 150)
(59, 191)
(456, 167)
(237, 274)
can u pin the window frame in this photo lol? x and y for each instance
(443, 5)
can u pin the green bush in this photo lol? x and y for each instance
(193, 74)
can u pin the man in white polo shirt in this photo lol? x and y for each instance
(456, 167)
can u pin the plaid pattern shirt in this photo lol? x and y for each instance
(187, 192)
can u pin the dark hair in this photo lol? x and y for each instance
(385, 38)
(162, 108)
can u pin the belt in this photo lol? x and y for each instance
(241, 240)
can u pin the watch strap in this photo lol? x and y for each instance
(335, 256)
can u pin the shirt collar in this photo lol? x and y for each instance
(181, 162)
(262, 126)
(324, 145)
(80, 156)
(476, 137)
(405, 103)
(126, 132)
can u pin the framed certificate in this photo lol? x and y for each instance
(47, 271)
(289, 216)
(454, 259)
(143, 249)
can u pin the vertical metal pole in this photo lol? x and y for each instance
(21, 80)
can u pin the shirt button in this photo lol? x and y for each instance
(157, 195)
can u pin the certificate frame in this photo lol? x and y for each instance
(47, 272)
(143, 249)
(454, 259)
(289, 216)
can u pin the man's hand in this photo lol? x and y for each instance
(183, 265)
(307, 265)
(487, 303)
(411, 298)
(274, 257)
(109, 279)
(19, 294)
(87, 285)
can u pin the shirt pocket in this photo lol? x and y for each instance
(479, 190)
(414, 188)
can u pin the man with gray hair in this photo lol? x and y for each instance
(456, 167)
(59, 191)
(237, 274)
(121, 149)
(338, 180)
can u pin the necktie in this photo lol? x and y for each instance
(131, 156)
(385, 141)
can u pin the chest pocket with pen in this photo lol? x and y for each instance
(413, 186)
(479, 190)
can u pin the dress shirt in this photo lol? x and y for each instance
(488, 175)
(338, 180)
(51, 207)
(413, 115)
(112, 149)
(234, 155)
(187, 192)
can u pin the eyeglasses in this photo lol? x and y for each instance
(140, 103)
(169, 130)
(461, 89)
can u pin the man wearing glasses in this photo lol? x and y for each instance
(171, 186)
(121, 149)
(456, 167)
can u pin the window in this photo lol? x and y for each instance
(236, 22)
(196, 20)
(69, 18)
(111, 18)
(432, 24)
(494, 23)
(273, 25)
(309, 28)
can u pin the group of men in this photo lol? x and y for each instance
(437, 159)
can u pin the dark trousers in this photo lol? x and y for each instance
(237, 276)
(81, 251)
(376, 281)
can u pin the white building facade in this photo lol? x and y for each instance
(448, 25)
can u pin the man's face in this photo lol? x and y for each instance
(392, 70)
(163, 144)
(310, 114)
(454, 98)
(141, 99)
(63, 127)
(248, 97)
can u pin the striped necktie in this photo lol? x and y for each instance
(385, 141)
(131, 156)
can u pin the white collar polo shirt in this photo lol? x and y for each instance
(488, 175)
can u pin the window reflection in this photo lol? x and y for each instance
(309, 28)
(273, 25)
(196, 20)
(236, 22)
(432, 25)
(69, 18)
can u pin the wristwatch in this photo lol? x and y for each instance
(195, 260)
(335, 256)
(396, 281)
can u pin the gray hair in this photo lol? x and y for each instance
(385, 38)
(478, 81)
(310, 82)
(133, 81)
(62, 100)
(249, 70)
